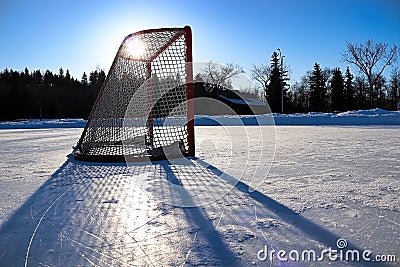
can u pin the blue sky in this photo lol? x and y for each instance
(81, 35)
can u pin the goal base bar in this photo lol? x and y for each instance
(127, 158)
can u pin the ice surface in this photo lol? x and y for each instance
(357, 117)
(322, 184)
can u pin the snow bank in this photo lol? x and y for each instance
(359, 117)
(47, 123)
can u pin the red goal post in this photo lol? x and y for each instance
(144, 109)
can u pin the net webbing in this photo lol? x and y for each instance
(142, 104)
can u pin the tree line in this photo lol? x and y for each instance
(331, 90)
(46, 94)
(40, 94)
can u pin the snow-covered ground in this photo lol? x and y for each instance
(320, 184)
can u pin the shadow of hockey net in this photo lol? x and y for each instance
(144, 109)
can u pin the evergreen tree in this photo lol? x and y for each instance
(349, 90)
(49, 99)
(84, 80)
(394, 90)
(360, 91)
(5, 74)
(26, 73)
(276, 84)
(318, 90)
(61, 73)
(48, 78)
(380, 93)
(37, 102)
(337, 91)
(273, 91)
(67, 75)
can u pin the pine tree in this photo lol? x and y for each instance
(84, 80)
(337, 91)
(361, 93)
(276, 84)
(349, 91)
(318, 90)
(61, 73)
(26, 73)
(93, 75)
(380, 93)
(394, 90)
(37, 78)
(67, 75)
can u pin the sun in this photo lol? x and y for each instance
(135, 48)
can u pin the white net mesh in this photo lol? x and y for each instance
(142, 106)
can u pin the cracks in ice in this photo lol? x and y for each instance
(39, 222)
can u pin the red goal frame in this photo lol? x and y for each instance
(186, 33)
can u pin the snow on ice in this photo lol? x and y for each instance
(359, 117)
(312, 186)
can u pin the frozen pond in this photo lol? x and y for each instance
(314, 185)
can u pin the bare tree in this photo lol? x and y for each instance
(219, 75)
(372, 59)
(262, 75)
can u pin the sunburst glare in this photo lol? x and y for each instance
(135, 48)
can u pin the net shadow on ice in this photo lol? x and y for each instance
(98, 214)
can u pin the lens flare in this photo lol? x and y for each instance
(135, 49)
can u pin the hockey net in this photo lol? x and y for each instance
(144, 108)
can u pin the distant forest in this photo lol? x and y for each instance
(37, 94)
(331, 90)
(25, 94)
